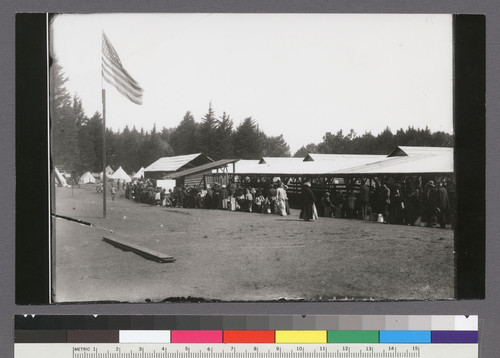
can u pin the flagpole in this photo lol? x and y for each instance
(104, 153)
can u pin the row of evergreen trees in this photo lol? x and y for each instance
(77, 139)
(383, 143)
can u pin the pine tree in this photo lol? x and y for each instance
(64, 133)
(248, 140)
(207, 131)
(223, 140)
(184, 138)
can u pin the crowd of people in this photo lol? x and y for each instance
(270, 200)
(404, 201)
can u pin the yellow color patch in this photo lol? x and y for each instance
(300, 336)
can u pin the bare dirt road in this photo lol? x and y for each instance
(235, 256)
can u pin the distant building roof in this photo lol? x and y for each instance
(172, 164)
(202, 168)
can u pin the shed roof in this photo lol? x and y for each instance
(413, 151)
(172, 164)
(278, 160)
(244, 165)
(402, 160)
(409, 164)
(202, 168)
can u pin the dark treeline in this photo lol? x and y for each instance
(77, 139)
(383, 143)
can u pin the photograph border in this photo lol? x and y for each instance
(33, 219)
(487, 308)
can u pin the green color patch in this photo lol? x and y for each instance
(352, 337)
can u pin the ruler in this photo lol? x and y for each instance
(223, 350)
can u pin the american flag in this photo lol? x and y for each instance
(114, 73)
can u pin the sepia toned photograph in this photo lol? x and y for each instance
(252, 157)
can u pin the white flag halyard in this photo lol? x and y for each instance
(114, 73)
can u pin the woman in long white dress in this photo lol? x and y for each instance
(281, 198)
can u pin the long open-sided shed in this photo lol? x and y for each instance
(335, 171)
(324, 171)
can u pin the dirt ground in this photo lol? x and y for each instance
(235, 256)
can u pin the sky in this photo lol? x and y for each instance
(300, 75)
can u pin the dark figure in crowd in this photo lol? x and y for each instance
(351, 203)
(386, 195)
(396, 207)
(327, 206)
(432, 198)
(180, 197)
(308, 200)
(273, 192)
(443, 205)
(412, 208)
(113, 191)
(377, 199)
(224, 195)
(337, 203)
(258, 201)
(215, 196)
(364, 198)
(127, 191)
(163, 195)
(451, 188)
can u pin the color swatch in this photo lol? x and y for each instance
(278, 329)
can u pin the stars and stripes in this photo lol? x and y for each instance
(114, 73)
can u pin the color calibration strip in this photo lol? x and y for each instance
(278, 330)
(293, 336)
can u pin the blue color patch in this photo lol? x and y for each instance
(405, 336)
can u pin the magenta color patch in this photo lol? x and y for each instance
(196, 337)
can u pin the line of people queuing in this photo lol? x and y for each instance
(269, 200)
(404, 202)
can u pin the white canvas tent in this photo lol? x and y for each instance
(109, 171)
(120, 174)
(86, 178)
(139, 174)
(60, 180)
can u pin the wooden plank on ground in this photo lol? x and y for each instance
(138, 249)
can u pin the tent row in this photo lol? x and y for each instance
(90, 178)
